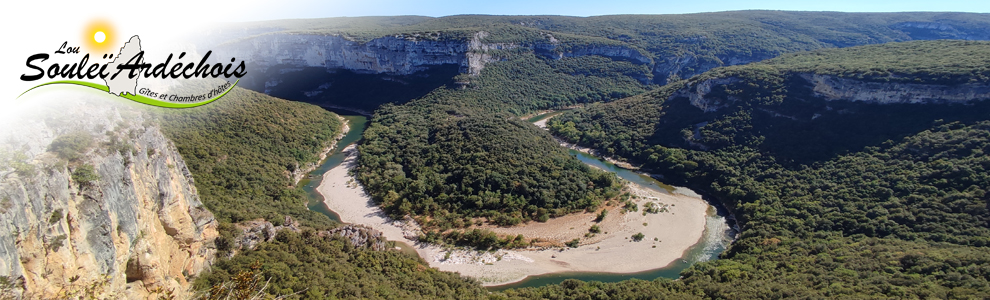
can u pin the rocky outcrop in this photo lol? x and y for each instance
(830, 87)
(834, 88)
(118, 216)
(940, 30)
(697, 94)
(478, 52)
(554, 49)
(360, 236)
(671, 69)
(395, 55)
(255, 232)
(259, 231)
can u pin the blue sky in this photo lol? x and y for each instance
(436, 8)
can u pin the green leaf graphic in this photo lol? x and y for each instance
(136, 98)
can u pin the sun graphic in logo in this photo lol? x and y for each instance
(99, 37)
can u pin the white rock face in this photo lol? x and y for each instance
(834, 88)
(396, 55)
(138, 226)
(391, 55)
(697, 94)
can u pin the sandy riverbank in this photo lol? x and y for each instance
(675, 231)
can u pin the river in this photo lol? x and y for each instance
(357, 124)
(717, 236)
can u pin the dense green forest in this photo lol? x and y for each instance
(861, 201)
(319, 267)
(897, 211)
(241, 150)
(681, 46)
(455, 155)
(768, 105)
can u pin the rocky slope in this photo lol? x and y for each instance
(835, 88)
(832, 87)
(279, 53)
(97, 201)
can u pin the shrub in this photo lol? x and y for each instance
(71, 146)
(84, 175)
(601, 215)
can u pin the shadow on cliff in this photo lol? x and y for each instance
(804, 129)
(348, 89)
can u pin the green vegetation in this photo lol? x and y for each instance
(710, 39)
(479, 239)
(18, 161)
(240, 151)
(320, 267)
(630, 206)
(573, 243)
(55, 217)
(629, 289)
(7, 287)
(595, 229)
(774, 106)
(652, 208)
(71, 146)
(601, 216)
(898, 209)
(57, 242)
(638, 236)
(455, 154)
(822, 217)
(5, 204)
(85, 176)
(933, 62)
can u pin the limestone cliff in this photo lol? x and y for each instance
(397, 55)
(834, 88)
(96, 201)
(668, 69)
(404, 54)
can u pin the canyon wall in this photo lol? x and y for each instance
(835, 88)
(279, 53)
(96, 201)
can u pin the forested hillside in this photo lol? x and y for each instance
(455, 154)
(680, 46)
(770, 104)
(411, 138)
(240, 151)
(835, 197)
(539, 62)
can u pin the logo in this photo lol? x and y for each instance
(127, 66)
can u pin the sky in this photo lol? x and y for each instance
(436, 8)
(42, 26)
